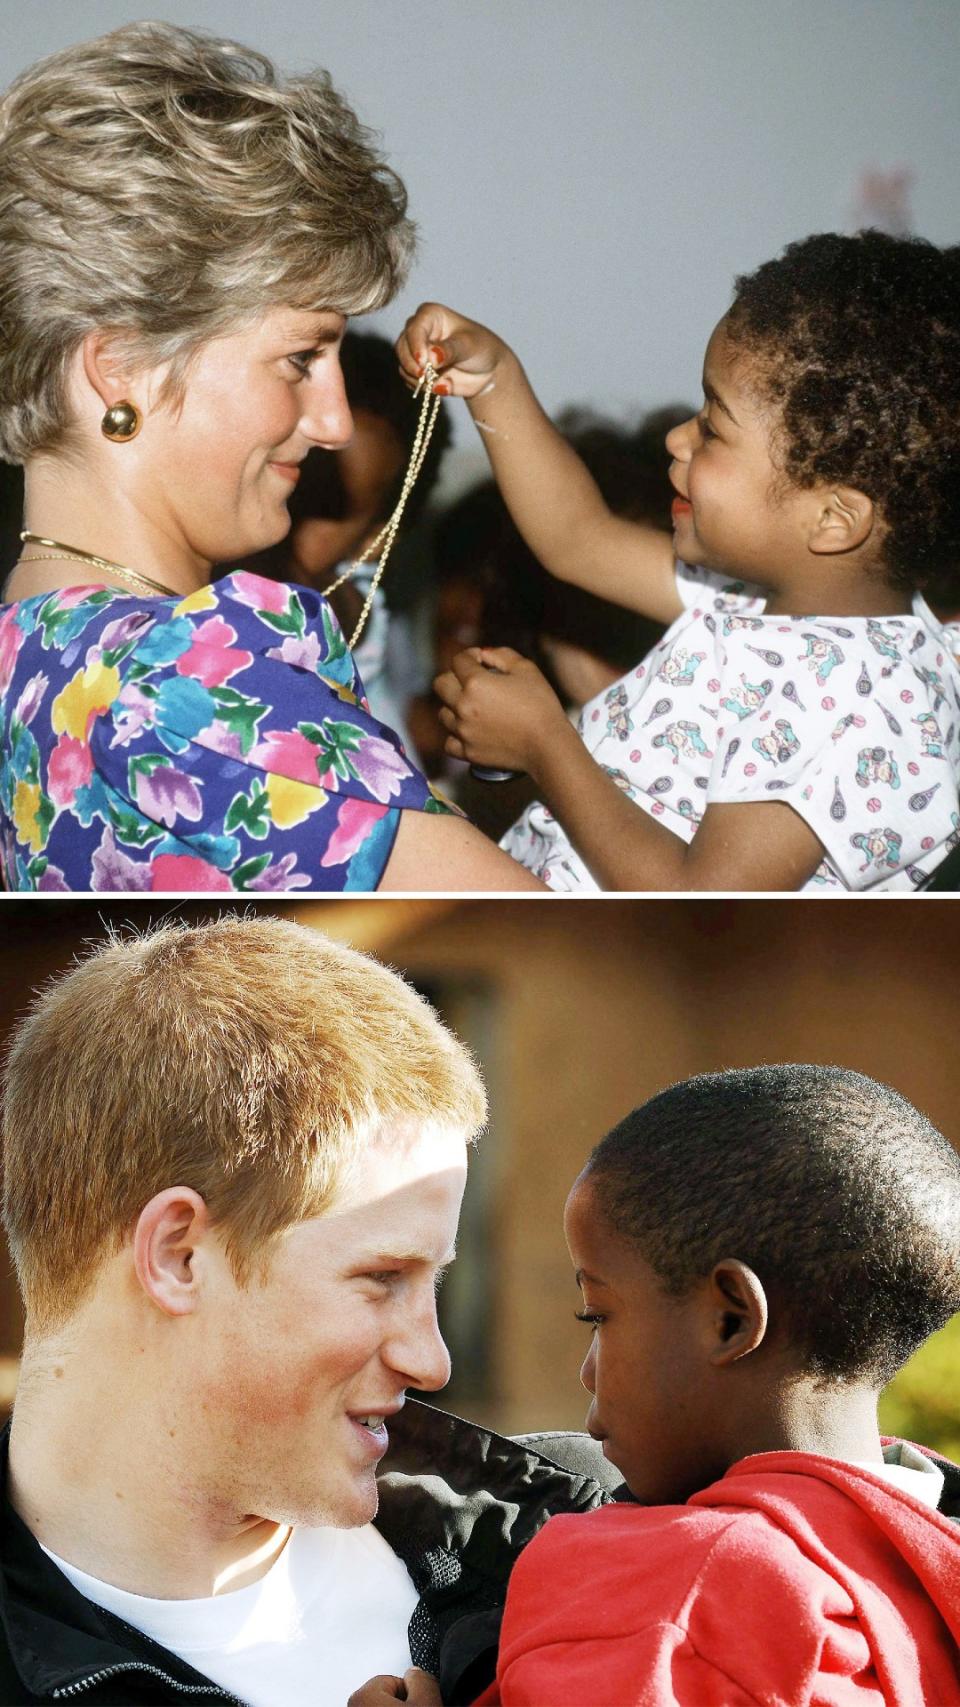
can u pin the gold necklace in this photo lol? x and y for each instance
(429, 409)
(57, 551)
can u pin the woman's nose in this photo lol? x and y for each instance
(326, 418)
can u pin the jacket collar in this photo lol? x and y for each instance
(449, 1483)
(449, 1490)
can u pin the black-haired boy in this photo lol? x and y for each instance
(758, 1252)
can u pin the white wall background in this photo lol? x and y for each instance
(589, 175)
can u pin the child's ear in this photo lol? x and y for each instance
(843, 518)
(739, 1311)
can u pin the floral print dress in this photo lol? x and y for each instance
(217, 742)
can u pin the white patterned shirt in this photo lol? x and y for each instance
(853, 721)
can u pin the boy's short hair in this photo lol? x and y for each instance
(169, 186)
(856, 339)
(249, 1059)
(834, 1189)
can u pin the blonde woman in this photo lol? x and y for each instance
(182, 236)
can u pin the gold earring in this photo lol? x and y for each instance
(121, 422)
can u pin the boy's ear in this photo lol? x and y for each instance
(843, 519)
(738, 1311)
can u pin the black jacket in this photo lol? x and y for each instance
(457, 1503)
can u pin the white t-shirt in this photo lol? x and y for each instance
(332, 1611)
(853, 721)
(907, 1468)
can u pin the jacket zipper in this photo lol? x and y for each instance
(84, 1683)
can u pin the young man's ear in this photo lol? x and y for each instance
(843, 519)
(169, 1231)
(739, 1311)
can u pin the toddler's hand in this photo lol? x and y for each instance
(417, 1687)
(499, 708)
(463, 352)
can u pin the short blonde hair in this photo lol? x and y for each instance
(250, 1059)
(167, 187)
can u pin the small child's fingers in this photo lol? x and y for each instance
(410, 369)
(496, 657)
(449, 719)
(447, 687)
(467, 664)
(425, 327)
(454, 747)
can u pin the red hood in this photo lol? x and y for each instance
(793, 1580)
(804, 1494)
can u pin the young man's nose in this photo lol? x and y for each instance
(588, 1368)
(418, 1352)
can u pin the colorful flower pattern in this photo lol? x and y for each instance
(219, 742)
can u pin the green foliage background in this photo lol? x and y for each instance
(922, 1403)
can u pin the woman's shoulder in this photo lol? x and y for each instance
(279, 620)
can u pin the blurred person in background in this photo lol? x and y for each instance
(341, 504)
(491, 591)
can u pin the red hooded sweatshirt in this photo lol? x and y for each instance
(795, 1581)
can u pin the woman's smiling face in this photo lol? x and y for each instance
(217, 472)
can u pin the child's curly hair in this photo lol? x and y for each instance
(858, 341)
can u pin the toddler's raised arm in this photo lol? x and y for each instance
(553, 499)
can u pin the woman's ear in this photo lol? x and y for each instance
(105, 370)
(169, 1232)
(739, 1311)
(844, 518)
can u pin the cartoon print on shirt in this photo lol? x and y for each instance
(620, 778)
(863, 723)
(683, 737)
(882, 848)
(883, 642)
(679, 667)
(850, 720)
(753, 623)
(749, 696)
(619, 721)
(876, 764)
(687, 809)
(930, 735)
(932, 679)
(778, 744)
(729, 596)
(821, 655)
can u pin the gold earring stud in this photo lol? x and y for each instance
(121, 422)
